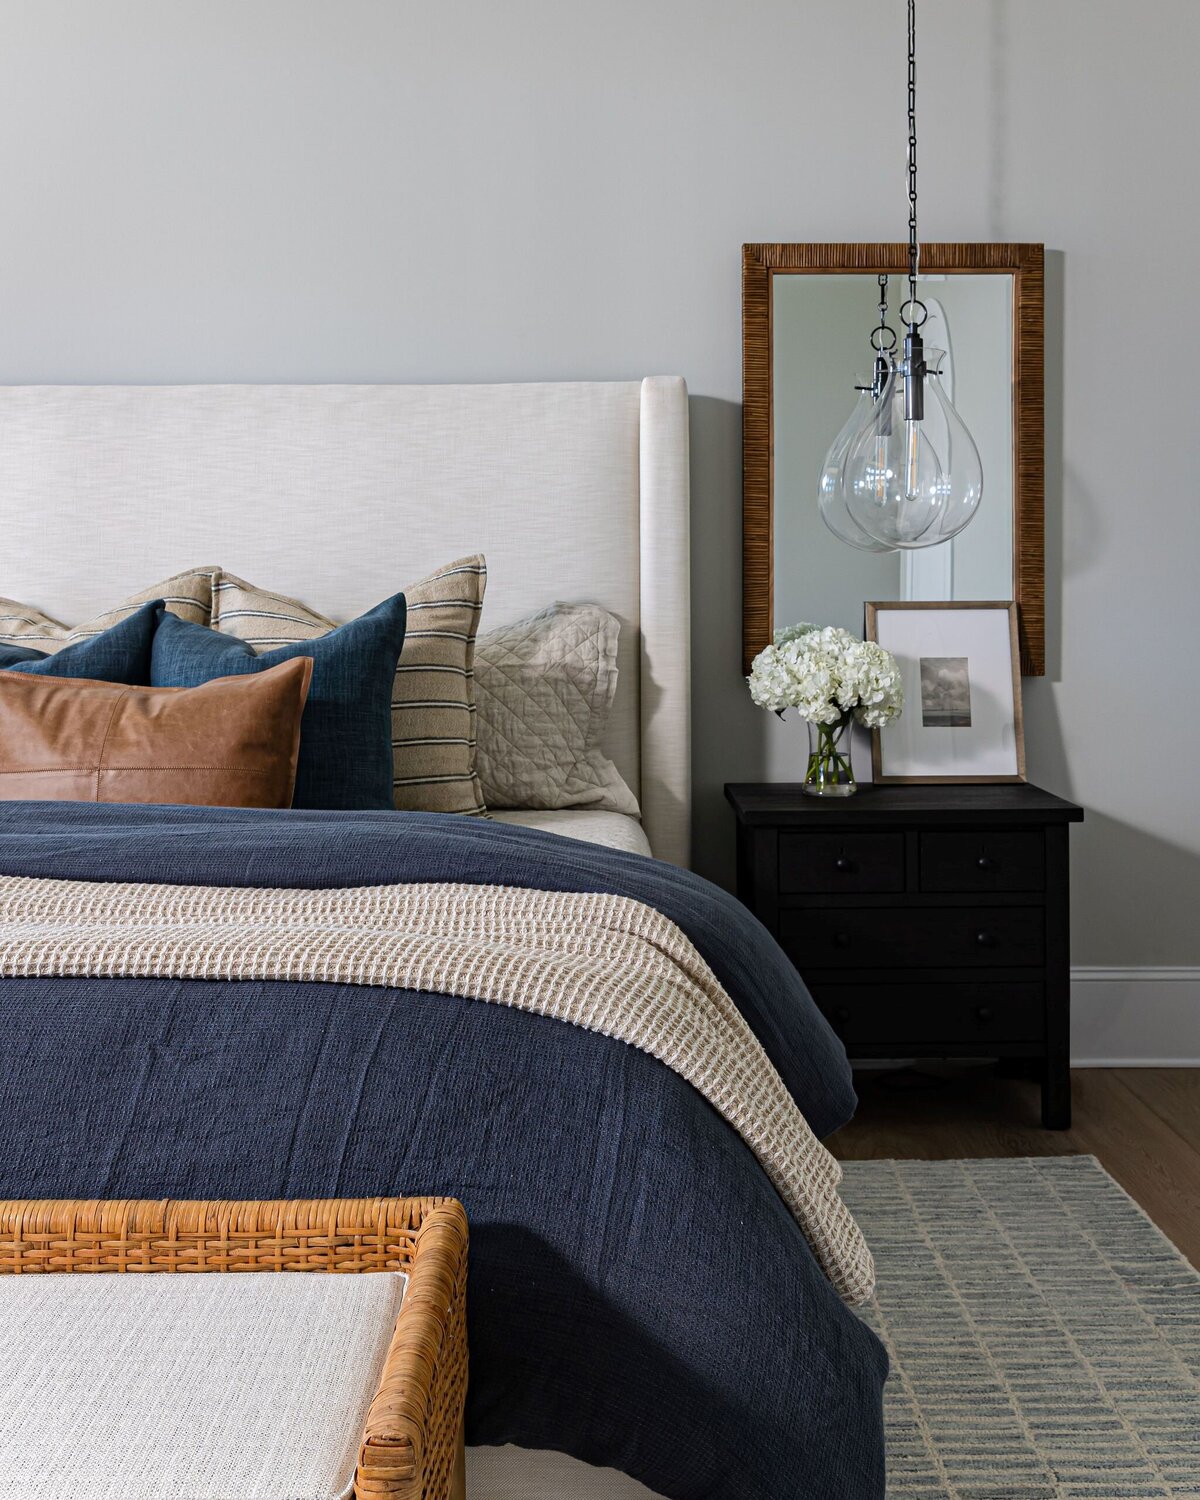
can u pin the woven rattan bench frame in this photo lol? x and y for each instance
(412, 1446)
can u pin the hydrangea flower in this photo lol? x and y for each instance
(825, 673)
(793, 632)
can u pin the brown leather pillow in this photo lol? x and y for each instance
(232, 742)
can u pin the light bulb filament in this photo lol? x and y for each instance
(912, 451)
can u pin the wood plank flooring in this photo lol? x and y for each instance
(1142, 1123)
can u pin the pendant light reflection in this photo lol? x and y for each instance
(831, 496)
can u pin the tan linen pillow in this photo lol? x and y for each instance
(232, 742)
(433, 702)
(544, 687)
(188, 595)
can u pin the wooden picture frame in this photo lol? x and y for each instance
(1025, 263)
(916, 701)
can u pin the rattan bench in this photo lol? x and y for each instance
(412, 1445)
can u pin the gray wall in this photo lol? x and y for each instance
(386, 190)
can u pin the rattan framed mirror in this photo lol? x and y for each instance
(807, 314)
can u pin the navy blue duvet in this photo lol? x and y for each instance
(639, 1295)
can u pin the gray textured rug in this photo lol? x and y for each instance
(1044, 1335)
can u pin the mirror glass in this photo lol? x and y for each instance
(820, 328)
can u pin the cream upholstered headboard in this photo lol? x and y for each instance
(342, 495)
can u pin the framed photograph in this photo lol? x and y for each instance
(962, 693)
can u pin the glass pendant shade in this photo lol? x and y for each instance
(831, 495)
(912, 483)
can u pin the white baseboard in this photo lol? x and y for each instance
(1135, 1017)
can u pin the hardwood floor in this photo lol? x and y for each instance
(1142, 1123)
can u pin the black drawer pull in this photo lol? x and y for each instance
(984, 1012)
(841, 1014)
(983, 861)
(985, 940)
(862, 864)
(841, 940)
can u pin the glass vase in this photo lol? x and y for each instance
(830, 771)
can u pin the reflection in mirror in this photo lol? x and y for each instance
(820, 327)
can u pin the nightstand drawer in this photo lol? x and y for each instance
(945, 938)
(827, 863)
(925, 1014)
(983, 862)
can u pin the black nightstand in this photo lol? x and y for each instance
(928, 921)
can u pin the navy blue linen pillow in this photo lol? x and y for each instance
(122, 653)
(346, 732)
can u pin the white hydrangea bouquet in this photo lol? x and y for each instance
(833, 680)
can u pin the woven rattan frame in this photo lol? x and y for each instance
(412, 1446)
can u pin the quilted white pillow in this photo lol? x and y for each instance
(543, 690)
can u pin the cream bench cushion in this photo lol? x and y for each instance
(189, 1387)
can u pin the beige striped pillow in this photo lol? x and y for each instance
(188, 595)
(433, 702)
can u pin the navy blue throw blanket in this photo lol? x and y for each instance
(639, 1295)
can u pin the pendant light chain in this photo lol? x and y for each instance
(883, 341)
(914, 249)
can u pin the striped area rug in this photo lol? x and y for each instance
(1044, 1335)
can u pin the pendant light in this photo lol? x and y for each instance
(911, 475)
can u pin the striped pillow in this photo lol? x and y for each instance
(433, 701)
(188, 595)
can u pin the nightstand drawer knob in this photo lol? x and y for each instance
(842, 863)
(985, 940)
(985, 862)
(984, 1012)
(841, 1014)
(841, 940)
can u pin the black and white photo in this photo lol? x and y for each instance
(945, 692)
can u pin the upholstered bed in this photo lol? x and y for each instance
(250, 1003)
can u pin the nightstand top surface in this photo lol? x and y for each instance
(1006, 802)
